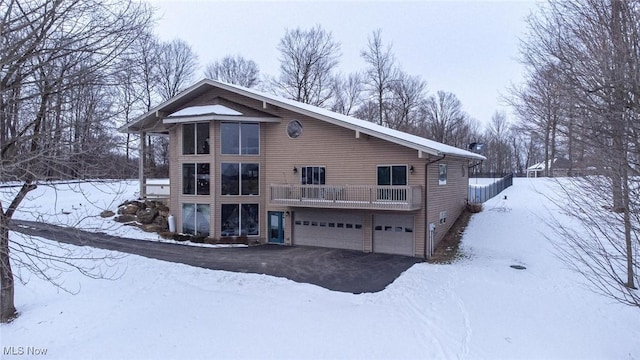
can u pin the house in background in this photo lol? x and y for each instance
(247, 163)
(561, 167)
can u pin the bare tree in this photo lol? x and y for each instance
(55, 59)
(308, 59)
(380, 74)
(408, 95)
(498, 149)
(540, 107)
(234, 70)
(177, 65)
(593, 48)
(347, 93)
(444, 116)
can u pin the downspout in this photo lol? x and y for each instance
(428, 235)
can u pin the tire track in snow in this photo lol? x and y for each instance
(411, 295)
(468, 331)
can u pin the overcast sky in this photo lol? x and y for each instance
(469, 48)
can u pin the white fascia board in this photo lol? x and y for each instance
(187, 119)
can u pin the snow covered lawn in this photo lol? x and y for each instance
(477, 308)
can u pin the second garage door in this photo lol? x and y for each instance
(393, 234)
(328, 229)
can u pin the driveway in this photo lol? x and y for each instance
(340, 270)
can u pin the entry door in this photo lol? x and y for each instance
(276, 227)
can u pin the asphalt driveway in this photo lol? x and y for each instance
(334, 269)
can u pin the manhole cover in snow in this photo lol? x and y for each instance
(518, 267)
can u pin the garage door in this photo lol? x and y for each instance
(393, 234)
(328, 229)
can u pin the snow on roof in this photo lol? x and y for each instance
(356, 124)
(204, 110)
(362, 126)
(538, 166)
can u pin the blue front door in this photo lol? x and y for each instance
(276, 227)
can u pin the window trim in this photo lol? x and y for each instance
(304, 169)
(195, 220)
(195, 178)
(239, 124)
(239, 205)
(440, 180)
(195, 138)
(240, 178)
(390, 166)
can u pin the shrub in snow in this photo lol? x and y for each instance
(474, 207)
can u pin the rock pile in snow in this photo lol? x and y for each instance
(149, 215)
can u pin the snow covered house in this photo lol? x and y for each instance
(247, 163)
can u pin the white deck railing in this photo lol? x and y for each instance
(348, 196)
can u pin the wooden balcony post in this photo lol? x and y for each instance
(143, 152)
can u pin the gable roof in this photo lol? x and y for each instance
(152, 120)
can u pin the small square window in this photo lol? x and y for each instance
(358, 226)
(349, 226)
(332, 225)
(340, 225)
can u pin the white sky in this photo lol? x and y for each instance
(469, 48)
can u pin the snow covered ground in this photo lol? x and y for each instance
(477, 308)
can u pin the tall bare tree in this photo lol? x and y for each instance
(594, 49)
(308, 59)
(380, 74)
(234, 70)
(55, 58)
(408, 95)
(177, 65)
(443, 117)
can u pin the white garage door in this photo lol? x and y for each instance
(393, 234)
(328, 229)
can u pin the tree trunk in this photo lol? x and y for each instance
(7, 308)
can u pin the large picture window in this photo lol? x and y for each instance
(240, 138)
(195, 138)
(195, 219)
(239, 219)
(240, 179)
(195, 179)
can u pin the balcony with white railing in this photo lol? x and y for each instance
(367, 197)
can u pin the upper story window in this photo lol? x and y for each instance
(442, 174)
(392, 175)
(240, 138)
(195, 139)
